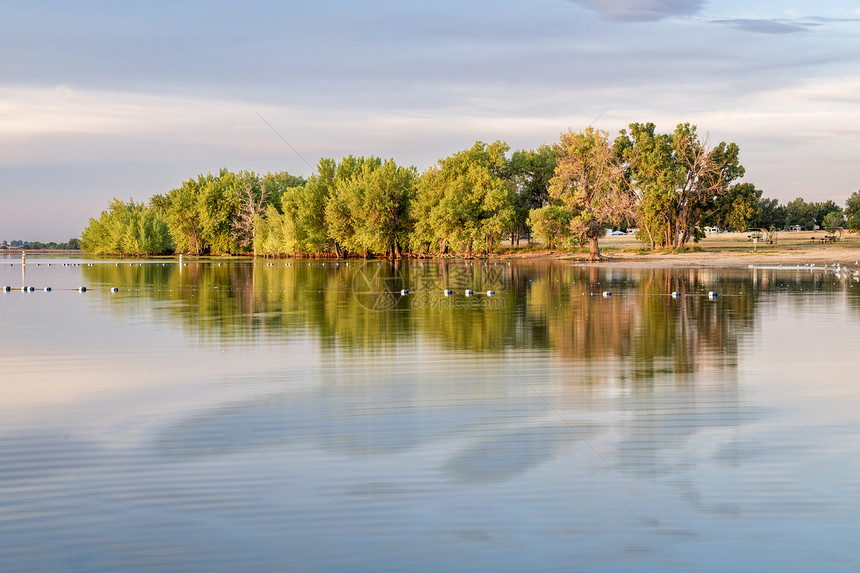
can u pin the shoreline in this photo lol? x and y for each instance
(847, 257)
(791, 250)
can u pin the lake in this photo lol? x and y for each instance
(310, 416)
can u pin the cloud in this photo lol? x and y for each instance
(765, 26)
(642, 10)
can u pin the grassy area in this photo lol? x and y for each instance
(723, 249)
(739, 243)
(782, 242)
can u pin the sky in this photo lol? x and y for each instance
(104, 99)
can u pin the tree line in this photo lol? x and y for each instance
(668, 185)
(72, 244)
(798, 213)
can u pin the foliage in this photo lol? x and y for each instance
(369, 212)
(833, 221)
(737, 207)
(589, 183)
(217, 214)
(672, 185)
(72, 244)
(852, 212)
(682, 183)
(530, 171)
(771, 215)
(128, 228)
(551, 224)
(464, 202)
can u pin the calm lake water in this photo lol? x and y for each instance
(256, 416)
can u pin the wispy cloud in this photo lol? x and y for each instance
(767, 26)
(642, 10)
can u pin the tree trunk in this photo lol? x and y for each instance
(594, 249)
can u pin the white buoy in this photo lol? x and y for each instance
(491, 293)
(114, 289)
(7, 288)
(24, 289)
(469, 292)
(82, 289)
(676, 294)
(404, 291)
(712, 294)
(607, 294)
(47, 289)
(446, 292)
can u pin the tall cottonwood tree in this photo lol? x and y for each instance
(369, 212)
(680, 179)
(465, 202)
(589, 183)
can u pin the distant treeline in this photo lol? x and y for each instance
(798, 213)
(70, 245)
(669, 186)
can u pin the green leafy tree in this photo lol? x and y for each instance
(465, 202)
(126, 228)
(799, 212)
(551, 224)
(833, 221)
(370, 211)
(737, 207)
(652, 175)
(771, 215)
(276, 184)
(183, 218)
(589, 183)
(255, 198)
(530, 171)
(218, 204)
(681, 182)
(820, 211)
(852, 212)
